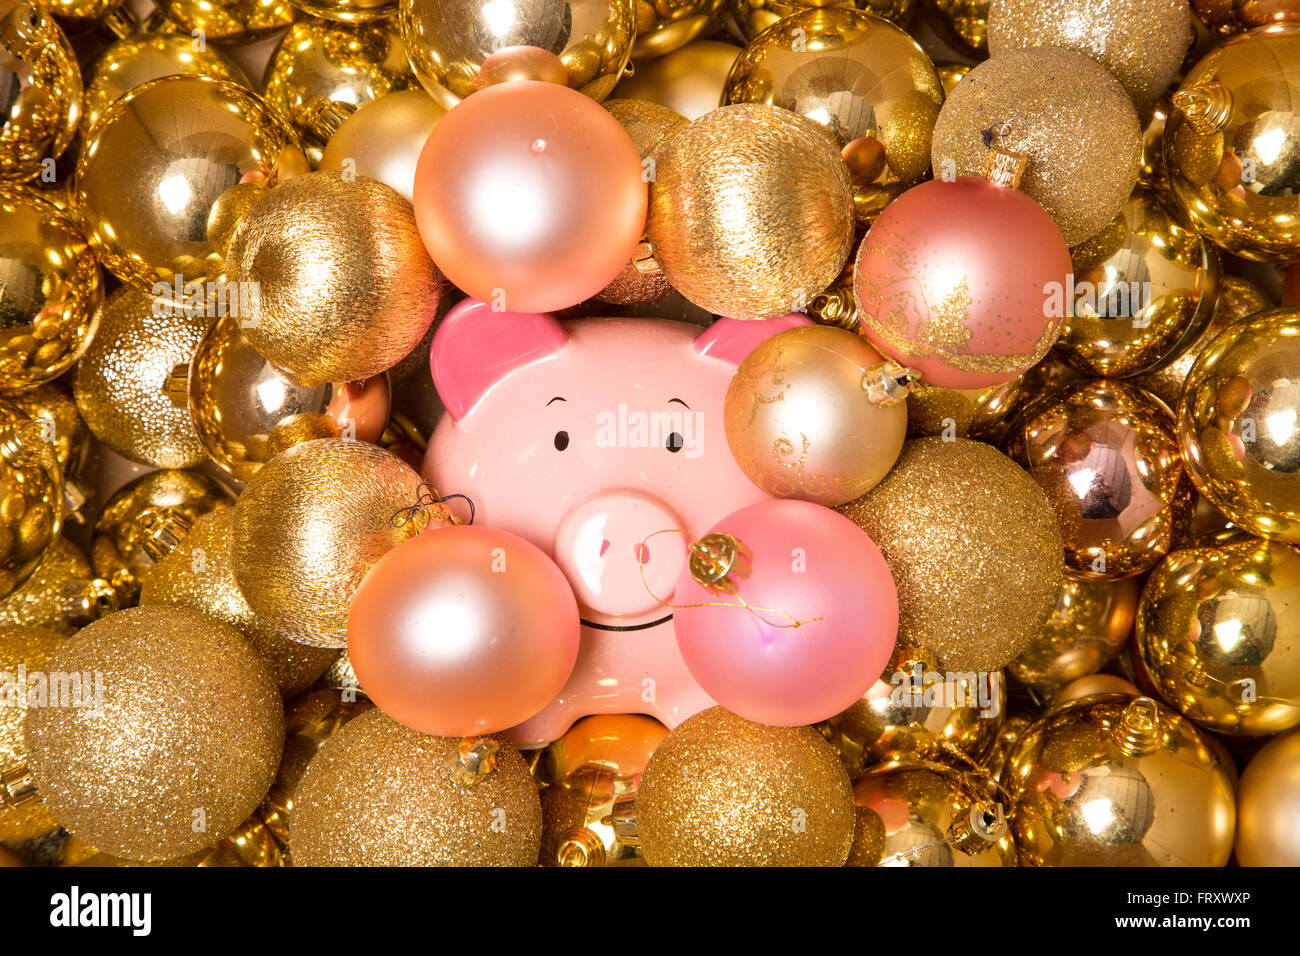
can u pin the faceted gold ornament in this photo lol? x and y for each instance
(22, 813)
(40, 91)
(31, 496)
(668, 25)
(229, 21)
(348, 11)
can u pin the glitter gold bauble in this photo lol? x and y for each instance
(1220, 637)
(667, 26)
(859, 76)
(1230, 17)
(1230, 144)
(230, 21)
(751, 213)
(28, 648)
(197, 574)
(1239, 423)
(348, 11)
(449, 41)
(124, 385)
(62, 595)
(1268, 805)
(41, 91)
(1106, 454)
(1141, 42)
(308, 527)
(50, 289)
(724, 791)
(1067, 114)
(1140, 287)
(31, 496)
(380, 794)
(687, 81)
(383, 139)
(966, 20)
(158, 169)
(382, 293)
(183, 741)
(1118, 781)
(251, 844)
(974, 548)
(962, 412)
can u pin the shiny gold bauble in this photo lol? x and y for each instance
(118, 547)
(967, 20)
(308, 527)
(1268, 805)
(1151, 171)
(383, 139)
(962, 412)
(382, 293)
(124, 386)
(197, 574)
(1090, 685)
(53, 403)
(1106, 454)
(671, 24)
(724, 791)
(28, 648)
(181, 742)
(688, 81)
(1071, 119)
(1220, 636)
(1017, 721)
(31, 496)
(1140, 287)
(348, 11)
(229, 21)
(78, 16)
(751, 212)
(749, 18)
(50, 290)
(448, 41)
(1239, 423)
(159, 168)
(974, 548)
(931, 815)
(859, 76)
(1230, 144)
(41, 84)
(1118, 781)
(251, 844)
(62, 595)
(380, 794)
(1091, 622)
(1230, 17)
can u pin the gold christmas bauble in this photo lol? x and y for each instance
(751, 212)
(1118, 781)
(1069, 116)
(53, 403)
(1220, 637)
(24, 680)
(748, 18)
(229, 21)
(1090, 685)
(383, 289)
(62, 595)
(383, 139)
(1239, 423)
(41, 85)
(78, 16)
(172, 741)
(308, 527)
(667, 26)
(981, 413)
(862, 78)
(381, 794)
(1268, 805)
(197, 574)
(158, 171)
(1230, 17)
(348, 11)
(724, 791)
(251, 844)
(50, 290)
(966, 20)
(974, 548)
(31, 496)
(125, 387)
(688, 81)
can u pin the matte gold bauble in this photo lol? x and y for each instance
(1230, 144)
(1071, 119)
(1230, 17)
(1220, 636)
(1239, 423)
(348, 11)
(62, 595)
(979, 413)
(688, 81)
(308, 527)
(724, 791)
(1090, 685)
(383, 139)
(667, 26)
(751, 213)
(967, 21)
(182, 741)
(124, 384)
(381, 794)
(1118, 781)
(1268, 805)
(24, 652)
(974, 548)
(31, 496)
(1106, 454)
(230, 21)
(862, 78)
(450, 41)
(41, 86)
(159, 168)
(197, 574)
(383, 289)
(50, 290)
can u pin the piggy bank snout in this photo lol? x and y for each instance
(616, 563)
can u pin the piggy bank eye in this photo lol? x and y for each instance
(674, 442)
(561, 441)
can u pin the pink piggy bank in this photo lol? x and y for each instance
(586, 438)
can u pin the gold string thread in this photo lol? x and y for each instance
(428, 503)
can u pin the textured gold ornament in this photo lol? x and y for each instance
(251, 844)
(230, 21)
(687, 81)
(62, 595)
(188, 727)
(974, 548)
(1268, 804)
(962, 412)
(724, 791)
(671, 24)
(380, 794)
(1067, 114)
(348, 11)
(1118, 781)
(31, 496)
(751, 213)
(41, 81)
(383, 139)
(22, 813)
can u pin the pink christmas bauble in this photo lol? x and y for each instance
(529, 196)
(805, 564)
(963, 281)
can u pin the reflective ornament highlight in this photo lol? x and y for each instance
(31, 496)
(41, 103)
(230, 21)
(666, 27)
(348, 11)
(1231, 17)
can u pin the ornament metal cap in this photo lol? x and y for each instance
(163, 530)
(835, 307)
(1207, 107)
(622, 820)
(22, 444)
(719, 562)
(18, 787)
(1138, 730)
(1005, 167)
(580, 847)
(976, 830)
(98, 598)
(644, 261)
(22, 31)
(890, 384)
(326, 116)
(474, 760)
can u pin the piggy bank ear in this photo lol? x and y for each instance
(475, 347)
(732, 339)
